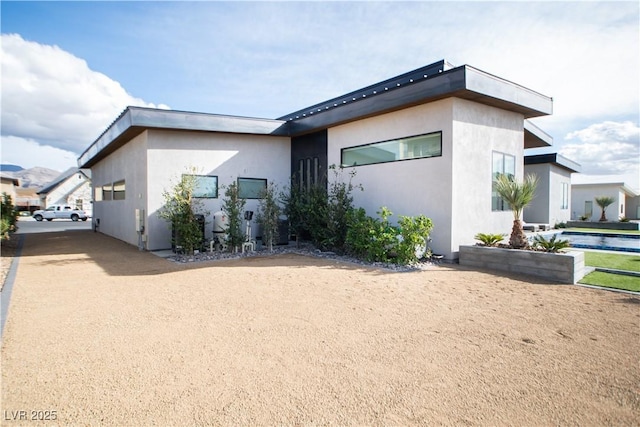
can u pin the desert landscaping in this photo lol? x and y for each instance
(100, 333)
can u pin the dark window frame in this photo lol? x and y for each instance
(257, 197)
(342, 150)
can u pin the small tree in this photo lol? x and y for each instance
(8, 217)
(269, 211)
(233, 206)
(518, 196)
(179, 210)
(604, 202)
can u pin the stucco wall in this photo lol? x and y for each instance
(478, 131)
(546, 207)
(411, 187)
(129, 162)
(228, 156)
(454, 190)
(585, 192)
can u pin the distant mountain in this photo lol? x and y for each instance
(33, 178)
(11, 168)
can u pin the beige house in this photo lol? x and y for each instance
(430, 141)
(9, 185)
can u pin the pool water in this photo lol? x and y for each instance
(603, 241)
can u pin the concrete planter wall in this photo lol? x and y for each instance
(561, 267)
(605, 225)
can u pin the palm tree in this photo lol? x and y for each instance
(518, 195)
(603, 202)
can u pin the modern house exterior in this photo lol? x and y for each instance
(586, 188)
(552, 202)
(430, 141)
(72, 187)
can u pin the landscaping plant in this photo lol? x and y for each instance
(377, 239)
(179, 210)
(518, 195)
(233, 207)
(268, 214)
(604, 202)
(8, 217)
(552, 245)
(488, 239)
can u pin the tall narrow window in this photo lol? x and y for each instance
(307, 178)
(301, 174)
(565, 196)
(588, 209)
(79, 204)
(503, 164)
(316, 170)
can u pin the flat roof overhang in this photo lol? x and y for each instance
(555, 159)
(135, 120)
(534, 137)
(415, 88)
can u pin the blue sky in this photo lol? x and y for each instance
(69, 68)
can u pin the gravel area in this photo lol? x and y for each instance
(100, 333)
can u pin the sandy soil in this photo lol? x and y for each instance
(103, 334)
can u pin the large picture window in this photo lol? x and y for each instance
(251, 188)
(503, 164)
(206, 187)
(413, 147)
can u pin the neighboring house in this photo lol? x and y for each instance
(72, 187)
(552, 202)
(585, 189)
(27, 199)
(9, 185)
(430, 141)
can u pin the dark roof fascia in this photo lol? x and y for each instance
(554, 159)
(412, 89)
(376, 88)
(534, 137)
(135, 120)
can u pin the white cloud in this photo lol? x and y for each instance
(53, 98)
(29, 153)
(607, 148)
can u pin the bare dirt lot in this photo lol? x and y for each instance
(103, 334)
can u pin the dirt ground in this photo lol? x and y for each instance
(101, 334)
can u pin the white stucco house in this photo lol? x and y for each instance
(72, 187)
(430, 141)
(552, 202)
(585, 189)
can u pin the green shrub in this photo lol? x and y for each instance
(488, 239)
(8, 217)
(552, 245)
(233, 206)
(561, 225)
(376, 239)
(269, 211)
(179, 210)
(415, 236)
(624, 219)
(321, 214)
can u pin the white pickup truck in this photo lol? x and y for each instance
(59, 212)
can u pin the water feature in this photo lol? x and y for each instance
(602, 241)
